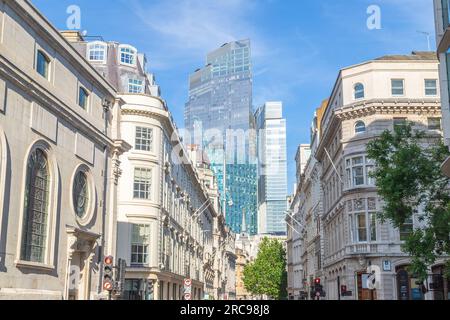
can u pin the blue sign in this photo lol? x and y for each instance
(416, 294)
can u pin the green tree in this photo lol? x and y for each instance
(267, 274)
(408, 177)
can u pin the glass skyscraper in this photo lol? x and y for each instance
(219, 118)
(272, 169)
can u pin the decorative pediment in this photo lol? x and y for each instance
(81, 241)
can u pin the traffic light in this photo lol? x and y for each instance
(108, 282)
(317, 289)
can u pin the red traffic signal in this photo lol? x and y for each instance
(108, 260)
(317, 280)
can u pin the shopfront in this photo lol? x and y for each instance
(409, 287)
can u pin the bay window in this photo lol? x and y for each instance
(361, 228)
(97, 52)
(127, 55)
(363, 219)
(358, 171)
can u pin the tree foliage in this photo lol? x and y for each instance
(267, 274)
(408, 178)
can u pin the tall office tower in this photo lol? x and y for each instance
(272, 169)
(219, 117)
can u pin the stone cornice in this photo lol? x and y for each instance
(406, 106)
(164, 117)
(51, 102)
(26, 10)
(364, 108)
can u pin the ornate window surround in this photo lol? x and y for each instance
(48, 261)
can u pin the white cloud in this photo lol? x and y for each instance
(195, 27)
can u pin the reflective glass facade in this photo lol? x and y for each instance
(272, 169)
(220, 103)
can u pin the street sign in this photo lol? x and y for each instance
(107, 285)
(187, 286)
(187, 296)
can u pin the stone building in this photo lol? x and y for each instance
(305, 236)
(442, 24)
(75, 116)
(59, 162)
(224, 255)
(241, 262)
(169, 223)
(366, 100)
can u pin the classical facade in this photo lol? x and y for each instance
(169, 225)
(442, 23)
(224, 252)
(305, 236)
(366, 100)
(99, 169)
(165, 220)
(59, 162)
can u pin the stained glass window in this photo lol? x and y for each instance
(36, 208)
(80, 194)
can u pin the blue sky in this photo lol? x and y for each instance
(298, 46)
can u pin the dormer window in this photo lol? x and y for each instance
(97, 51)
(127, 55)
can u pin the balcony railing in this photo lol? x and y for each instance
(357, 248)
(362, 248)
